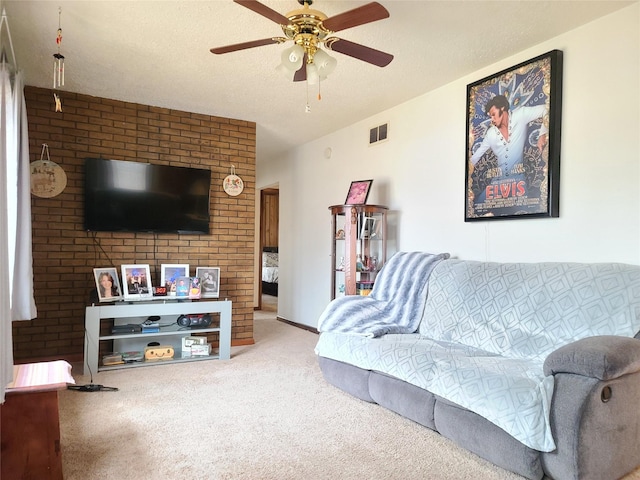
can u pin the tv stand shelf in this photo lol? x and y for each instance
(137, 312)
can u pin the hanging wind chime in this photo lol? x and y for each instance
(58, 66)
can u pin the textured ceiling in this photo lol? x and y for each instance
(157, 53)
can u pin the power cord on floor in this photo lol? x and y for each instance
(91, 387)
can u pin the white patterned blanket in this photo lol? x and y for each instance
(487, 329)
(395, 305)
(512, 393)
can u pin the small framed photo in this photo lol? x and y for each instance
(107, 284)
(137, 281)
(169, 274)
(209, 281)
(182, 286)
(194, 287)
(358, 192)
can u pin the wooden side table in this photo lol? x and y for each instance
(29, 421)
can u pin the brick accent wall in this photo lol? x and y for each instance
(64, 255)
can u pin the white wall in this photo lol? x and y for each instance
(419, 173)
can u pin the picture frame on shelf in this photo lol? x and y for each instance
(358, 192)
(195, 290)
(107, 284)
(513, 141)
(136, 281)
(169, 274)
(209, 281)
(182, 286)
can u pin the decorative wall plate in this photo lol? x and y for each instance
(48, 179)
(233, 184)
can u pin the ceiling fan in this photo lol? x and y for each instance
(309, 29)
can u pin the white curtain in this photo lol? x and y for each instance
(16, 266)
(23, 305)
(6, 341)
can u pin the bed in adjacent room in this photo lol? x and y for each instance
(270, 271)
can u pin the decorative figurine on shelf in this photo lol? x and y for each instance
(359, 266)
(373, 264)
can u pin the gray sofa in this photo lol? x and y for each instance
(532, 366)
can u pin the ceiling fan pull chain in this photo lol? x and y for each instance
(307, 108)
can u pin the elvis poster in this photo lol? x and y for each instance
(513, 141)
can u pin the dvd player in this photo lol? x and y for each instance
(128, 328)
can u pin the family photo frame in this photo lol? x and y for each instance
(358, 192)
(170, 273)
(107, 284)
(136, 281)
(513, 141)
(209, 281)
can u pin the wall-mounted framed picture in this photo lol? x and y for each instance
(169, 274)
(136, 281)
(358, 192)
(209, 281)
(107, 284)
(513, 141)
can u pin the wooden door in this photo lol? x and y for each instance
(269, 219)
(269, 208)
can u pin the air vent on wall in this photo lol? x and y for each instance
(378, 134)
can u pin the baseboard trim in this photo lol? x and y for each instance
(299, 325)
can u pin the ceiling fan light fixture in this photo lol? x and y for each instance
(292, 58)
(309, 29)
(325, 63)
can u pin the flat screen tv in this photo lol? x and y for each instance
(122, 196)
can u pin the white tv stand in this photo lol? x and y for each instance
(136, 312)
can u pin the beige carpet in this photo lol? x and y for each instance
(265, 414)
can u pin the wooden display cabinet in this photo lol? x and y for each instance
(358, 247)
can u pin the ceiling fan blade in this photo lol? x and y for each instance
(263, 10)
(244, 45)
(368, 13)
(355, 50)
(301, 73)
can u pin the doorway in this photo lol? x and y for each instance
(268, 271)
